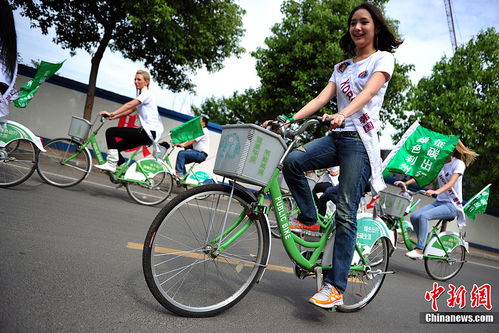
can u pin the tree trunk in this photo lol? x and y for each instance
(92, 80)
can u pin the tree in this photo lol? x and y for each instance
(297, 63)
(461, 97)
(171, 37)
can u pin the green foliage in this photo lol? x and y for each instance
(460, 97)
(173, 38)
(297, 62)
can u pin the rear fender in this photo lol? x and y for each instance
(450, 240)
(10, 130)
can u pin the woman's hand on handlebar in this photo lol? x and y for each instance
(335, 120)
(106, 114)
(430, 193)
(401, 184)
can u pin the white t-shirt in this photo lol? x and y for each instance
(350, 79)
(148, 113)
(203, 142)
(454, 166)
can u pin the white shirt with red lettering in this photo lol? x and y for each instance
(350, 79)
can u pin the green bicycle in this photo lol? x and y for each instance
(445, 251)
(201, 257)
(68, 161)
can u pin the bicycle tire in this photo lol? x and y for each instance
(17, 162)
(159, 190)
(54, 171)
(362, 288)
(451, 266)
(177, 260)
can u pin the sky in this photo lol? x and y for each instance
(422, 25)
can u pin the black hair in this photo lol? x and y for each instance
(205, 119)
(8, 37)
(385, 39)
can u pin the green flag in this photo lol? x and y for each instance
(29, 89)
(187, 131)
(477, 204)
(421, 153)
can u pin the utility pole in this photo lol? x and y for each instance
(450, 22)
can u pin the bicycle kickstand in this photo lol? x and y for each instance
(318, 277)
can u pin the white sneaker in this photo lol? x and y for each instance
(414, 255)
(107, 167)
(327, 298)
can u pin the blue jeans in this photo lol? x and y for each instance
(349, 153)
(434, 211)
(188, 156)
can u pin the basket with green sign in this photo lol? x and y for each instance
(248, 153)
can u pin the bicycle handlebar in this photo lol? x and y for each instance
(404, 188)
(280, 122)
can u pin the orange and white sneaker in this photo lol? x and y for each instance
(309, 229)
(327, 298)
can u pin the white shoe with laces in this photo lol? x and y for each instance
(327, 298)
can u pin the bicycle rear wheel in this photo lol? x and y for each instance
(363, 286)
(17, 162)
(445, 269)
(184, 266)
(158, 189)
(64, 163)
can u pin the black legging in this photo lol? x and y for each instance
(130, 138)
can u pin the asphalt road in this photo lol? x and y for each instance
(70, 263)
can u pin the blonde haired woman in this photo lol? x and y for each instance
(150, 121)
(449, 196)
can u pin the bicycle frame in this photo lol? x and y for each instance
(290, 240)
(120, 170)
(438, 245)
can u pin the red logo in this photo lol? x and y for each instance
(343, 66)
(479, 296)
(363, 74)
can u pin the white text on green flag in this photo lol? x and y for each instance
(477, 204)
(421, 155)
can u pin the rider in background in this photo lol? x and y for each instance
(359, 83)
(329, 188)
(151, 124)
(198, 153)
(8, 57)
(449, 187)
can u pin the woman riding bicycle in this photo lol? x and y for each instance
(8, 57)
(359, 84)
(151, 128)
(449, 196)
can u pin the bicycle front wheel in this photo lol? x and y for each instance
(157, 189)
(64, 163)
(17, 162)
(363, 285)
(202, 256)
(446, 268)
